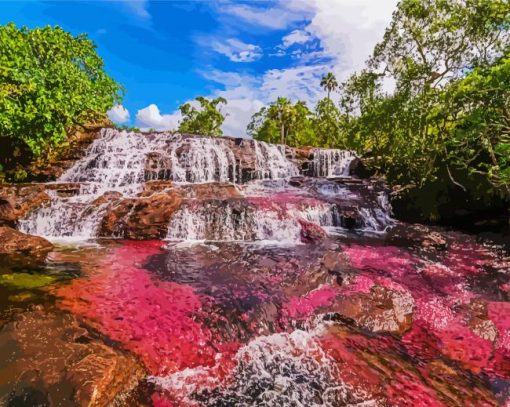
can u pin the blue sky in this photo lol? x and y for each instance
(166, 53)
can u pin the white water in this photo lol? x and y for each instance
(332, 163)
(290, 369)
(271, 161)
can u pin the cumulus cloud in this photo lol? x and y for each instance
(118, 114)
(151, 118)
(238, 51)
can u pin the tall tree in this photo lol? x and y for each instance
(329, 83)
(205, 120)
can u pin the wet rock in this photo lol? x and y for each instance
(17, 201)
(155, 186)
(380, 310)
(13, 242)
(50, 357)
(214, 190)
(157, 167)
(418, 236)
(141, 218)
(310, 232)
(107, 197)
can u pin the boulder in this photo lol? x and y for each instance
(141, 218)
(51, 358)
(13, 242)
(310, 232)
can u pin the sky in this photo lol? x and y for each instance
(166, 53)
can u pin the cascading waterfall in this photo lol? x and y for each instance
(121, 162)
(332, 162)
(271, 161)
(199, 160)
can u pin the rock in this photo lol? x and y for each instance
(311, 233)
(155, 186)
(214, 190)
(141, 218)
(380, 310)
(51, 358)
(157, 167)
(15, 242)
(107, 197)
(17, 201)
(419, 236)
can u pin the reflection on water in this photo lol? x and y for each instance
(347, 321)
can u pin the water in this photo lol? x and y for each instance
(270, 289)
(332, 163)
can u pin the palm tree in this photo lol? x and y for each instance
(329, 83)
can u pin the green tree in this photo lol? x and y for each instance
(326, 125)
(206, 120)
(478, 113)
(50, 83)
(329, 83)
(283, 122)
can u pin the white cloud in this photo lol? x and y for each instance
(118, 114)
(151, 118)
(238, 51)
(273, 18)
(349, 29)
(296, 37)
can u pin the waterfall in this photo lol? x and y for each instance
(332, 163)
(121, 162)
(231, 221)
(271, 161)
(205, 159)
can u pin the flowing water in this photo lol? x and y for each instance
(269, 289)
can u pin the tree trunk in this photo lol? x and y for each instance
(282, 134)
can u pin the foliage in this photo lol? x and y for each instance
(446, 106)
(283, 122)
(329, 83)
(50, 82)
(206, 120)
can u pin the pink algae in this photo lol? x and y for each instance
(301, 308)
(154, 319)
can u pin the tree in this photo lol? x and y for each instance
(478, 108)
(206, 120)
(50, 82)
(326, 124)
(329, 83)
(282, 122)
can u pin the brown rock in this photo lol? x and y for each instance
(311, 233)
(210, 191)
(141, 218)
(52, 357)
(15, 242)
(17, 201)
(381, 310)
(155, 186)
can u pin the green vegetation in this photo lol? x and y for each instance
(50, 83)
(206, 120)
(431, 109)
(26, 280)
